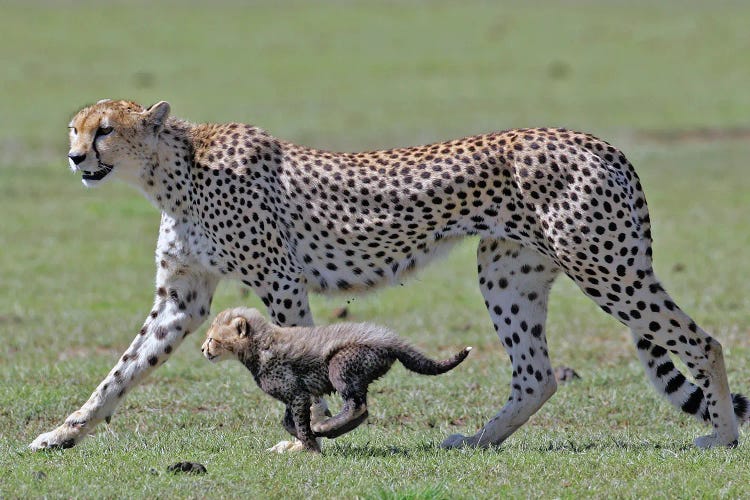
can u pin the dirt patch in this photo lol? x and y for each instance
(208, 409)
(85, 352)
(698, 135)
(340, 313)
(565, 374)
(187, 468)
(10, 319)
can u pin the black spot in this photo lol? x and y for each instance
(664, 368)
(536, 331)
(674, 383)
(658, 351)
(693, 403)
(161, 332)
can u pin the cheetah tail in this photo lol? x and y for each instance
(682, 393)
(419, 363)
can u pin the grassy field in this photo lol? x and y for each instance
(76, 266)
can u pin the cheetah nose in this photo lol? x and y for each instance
(77, 158)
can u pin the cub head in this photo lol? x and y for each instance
(231, 332)
(114, 139)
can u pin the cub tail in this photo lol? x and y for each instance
(419, 363)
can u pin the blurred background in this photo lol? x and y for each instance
(351, 75)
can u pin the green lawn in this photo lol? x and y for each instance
(76, 266)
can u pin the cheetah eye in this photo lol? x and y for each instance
(75, 130)
(102, 131)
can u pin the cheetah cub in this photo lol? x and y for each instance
(297, 365)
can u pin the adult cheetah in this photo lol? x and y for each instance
(285, 219)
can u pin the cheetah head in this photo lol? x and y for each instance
(231, 333)
(115, 139)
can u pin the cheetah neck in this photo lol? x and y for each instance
(165, 180)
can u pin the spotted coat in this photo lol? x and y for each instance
(297, 365)
(285, 219)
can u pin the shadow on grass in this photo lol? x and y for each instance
(610, 444)
(554, 446)
(370, 451)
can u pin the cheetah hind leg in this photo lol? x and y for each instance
(678, 390)
(710, 400)
(663, 327)
(515, 282)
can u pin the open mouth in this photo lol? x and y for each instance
(99, 174)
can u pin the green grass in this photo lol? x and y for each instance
(76, 266)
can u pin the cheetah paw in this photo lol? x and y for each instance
(713, 440)
(59, 438)
(458, 441)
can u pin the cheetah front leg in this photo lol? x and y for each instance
(183, 300)
(515, 282)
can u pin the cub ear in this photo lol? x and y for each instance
(157, 114)
(241, 325)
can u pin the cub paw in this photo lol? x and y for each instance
(287, 446)
(281, 447)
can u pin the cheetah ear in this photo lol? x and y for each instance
(157, 114)
(241, 325)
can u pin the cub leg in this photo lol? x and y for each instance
(351, 370)
(288, 422)
(300, 410)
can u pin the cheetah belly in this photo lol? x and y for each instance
(342, 269)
